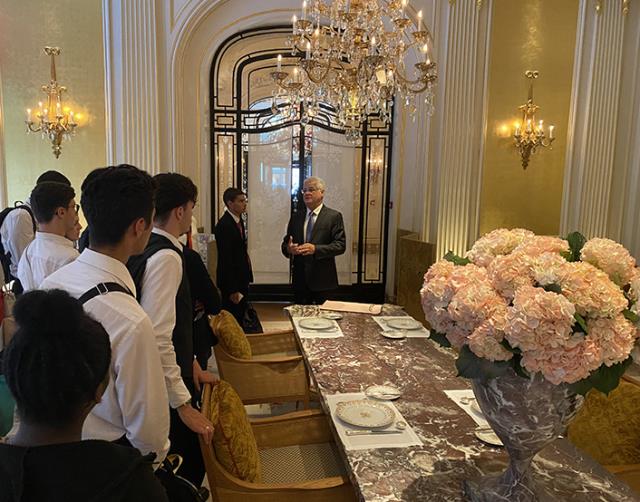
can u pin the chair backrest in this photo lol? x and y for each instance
(234, 445)
(608, 427)
(230, 335)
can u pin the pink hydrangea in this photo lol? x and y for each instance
(510, 272)
(485, 340)
(547, 268)
(496, 243)
(634, 285)
(539, 319)
(615, 336)
(574, 361)
(610, 257)
(539, 244)
(591, 291)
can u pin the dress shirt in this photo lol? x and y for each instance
(235, 218)
(316, 211)
(135, 402)
(16, 233)
(46, 254)
(160, 283)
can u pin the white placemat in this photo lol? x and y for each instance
(403, 439)
(359, 308)
(411, 333)
(458, 396)
(316, 333)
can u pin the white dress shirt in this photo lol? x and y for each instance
(16, 233)
(46, 254)
(316, 212)
(160, 283)
(135, 402)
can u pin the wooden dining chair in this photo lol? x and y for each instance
(289, 458)
(262, 368)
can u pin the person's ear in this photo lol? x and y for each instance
(101, 389)
(139, 227)
(179, 211)
(60, 212)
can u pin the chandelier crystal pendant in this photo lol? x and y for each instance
(353, 56)
(529, 135)
(54, 120)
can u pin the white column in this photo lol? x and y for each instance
(4, 202)
(601, 175)
(458, 129)
(131, 83)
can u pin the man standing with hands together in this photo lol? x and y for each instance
(313, 240)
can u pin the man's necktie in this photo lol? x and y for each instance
(240, 229)
(312, 217)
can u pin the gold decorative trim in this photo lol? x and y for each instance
(598, 6)
(625, 7)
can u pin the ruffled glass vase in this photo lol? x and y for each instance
(527, 414)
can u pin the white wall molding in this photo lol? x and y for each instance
(457, 139)
(132, 83)
(4, 202)
(600, 148)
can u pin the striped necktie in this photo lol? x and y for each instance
(312, 217)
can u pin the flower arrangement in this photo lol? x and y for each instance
(565, 308)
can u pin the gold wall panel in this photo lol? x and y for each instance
(527, 35)
(25, 28)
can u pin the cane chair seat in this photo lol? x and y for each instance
(299, 463)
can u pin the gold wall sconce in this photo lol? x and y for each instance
(54, 120)
(529, 135)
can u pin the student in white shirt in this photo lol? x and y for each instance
(118, 204)
(166, 297)
(56, 213)
(18, 228)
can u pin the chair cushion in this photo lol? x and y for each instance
(299, 463)
(608, 427)
(233, 441)
(231, 336)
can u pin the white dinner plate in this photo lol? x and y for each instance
(395, 335)
(475, 408)
(488, 436)
(316, 323)
(335, 316)
(364, 413)
(404, 323)
(383, 392)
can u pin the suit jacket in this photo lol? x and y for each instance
(317, 271)
(234, 268)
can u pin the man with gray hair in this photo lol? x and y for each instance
(314, 238)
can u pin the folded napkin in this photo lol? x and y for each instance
(336, 332)
(464, 399)
(403, 439)
(411, 333)
(358, 308)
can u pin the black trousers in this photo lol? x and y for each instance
(302, 295)
(185, 443)
(237, 309)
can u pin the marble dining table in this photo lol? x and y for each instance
(451, 453)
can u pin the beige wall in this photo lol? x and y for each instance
(527, 35)
(25, 28)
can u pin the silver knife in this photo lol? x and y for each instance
(369, 432)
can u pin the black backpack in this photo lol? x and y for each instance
(5, 257)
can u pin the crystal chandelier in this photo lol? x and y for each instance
(353, 55)
(529, 135)
(55, 121)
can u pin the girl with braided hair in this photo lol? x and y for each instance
(57, 368)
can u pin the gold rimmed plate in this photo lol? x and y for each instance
(404, 323)
(365, 413)
(317, 323)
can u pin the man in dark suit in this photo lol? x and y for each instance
(314, 238)
(234, 267)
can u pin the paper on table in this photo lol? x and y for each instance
(358, 308)
(457, 396)
(315, 333)
(403, 439)
(411, 333)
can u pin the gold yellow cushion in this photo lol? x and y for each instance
(231, 336)
(233, 440)
(608, 427)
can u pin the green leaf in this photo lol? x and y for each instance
(634, 318)
(471, 366)
(439, 338)
(554, 288)
(517, 367)
(505, 343)
(576, 242)
(581, 322)
(605, 378)
(567, 255)
(455, 259)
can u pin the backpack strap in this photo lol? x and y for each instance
(102, 289)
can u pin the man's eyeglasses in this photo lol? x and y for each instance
(74, 206)
(310, 189)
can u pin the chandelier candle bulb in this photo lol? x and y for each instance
(28, 114)
(308, 52)
(294, 22)
(279, 68)
(551, 132)
(304, 10)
